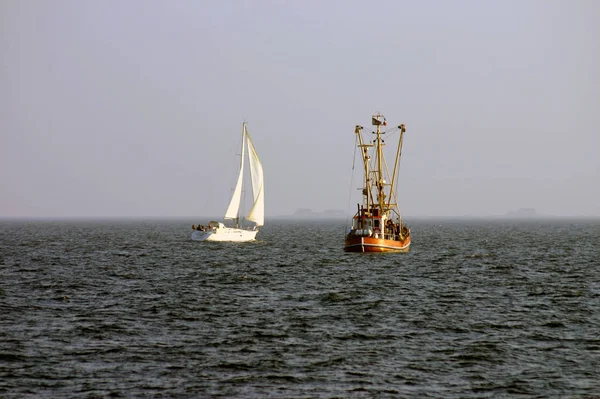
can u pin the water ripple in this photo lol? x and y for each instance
(135, 309)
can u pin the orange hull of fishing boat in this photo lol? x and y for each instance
(371, 244)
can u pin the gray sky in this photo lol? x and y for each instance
(134, 108)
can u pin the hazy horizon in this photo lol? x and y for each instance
(203, 219)
(134, 109)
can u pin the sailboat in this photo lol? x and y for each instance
(377, 225)
(217, 231)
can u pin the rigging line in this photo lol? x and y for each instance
(391, 132)
(355, 147)
(397, 184)
(393, 194)
(351, 178)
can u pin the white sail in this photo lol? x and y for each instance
(257, 213)
(234, 205)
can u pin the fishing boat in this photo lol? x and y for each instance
(377, 225)
(217, 231)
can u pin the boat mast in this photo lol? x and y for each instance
(379, 182)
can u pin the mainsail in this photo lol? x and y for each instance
(234, 205)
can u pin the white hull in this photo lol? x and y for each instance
(225, 234)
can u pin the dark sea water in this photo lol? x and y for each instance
(135, 309)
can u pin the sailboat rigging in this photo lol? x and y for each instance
(217, 231)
